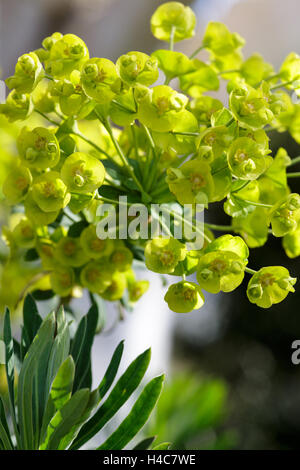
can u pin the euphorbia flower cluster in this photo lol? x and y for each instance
(110, 130)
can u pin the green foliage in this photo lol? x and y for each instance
(107, 130)
(191, 413)
(54, 407)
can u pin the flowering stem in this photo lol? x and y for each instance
(47, 118)
(253, 203)
(196, 52)
(223, 72)
(90, 142)
(282, 85)
(122, 156)
(220, 228)
(293, 175)
(250, 271)
(172, 35)
(294, 161)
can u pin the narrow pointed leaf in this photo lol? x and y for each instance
(136, 418)
(123, 389)
(4, 431)
(111, 371)
(145, 443)
(64, 420)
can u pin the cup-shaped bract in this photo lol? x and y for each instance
(82, 173)
(36, 214)
(136, 289)
(176, 17)
(250, 107)
(121, 258)
(93, 246)
(285, 215)
(69, 252)
(16, 185)
(192, 182)
(18, 106)
(62, 280)
(116, 288)
(184, 297)
(66, 54)
(28, 73)
(38, 148)
(50, 192)
(137, 67)
(270, 285)
(220, 271)
(219, 40)
(24, 234)
(160, 107)
(96, 275)
(163, 254)
(99, 80)
(246, 159)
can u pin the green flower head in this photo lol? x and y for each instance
(220, 271)
(246, 159)
(28, 73)
(121, 257)
(162, 254)
(62, 280)
(285, 215)
(250, 107)
(93, 246)
(116, 288)
(18, 106)
(38, 148)
(82, 173)
(66, 54)
(17, 184)
(24, 234)
(291, 243)
(192, 182)
(137, 67)
(173, 16)
(36, 215)
(219, 40)
(160, 108)
(136, 289)
(184, 297)
(69, 252)
(50, 192)
(100, 80)
(96, 275)
(270, 285)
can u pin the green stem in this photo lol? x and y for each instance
(191, 134)
(90, 142)
(282, 85)
(231, 121)
(294, 161)
(47, 118)
(241, 187)
(250, 271)
(220, 228)
(122, 156)
(223, 72)
(113, 201)
(293, 175)
(178, 216)
(172, 36)
(196, 52)
(253, 203)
